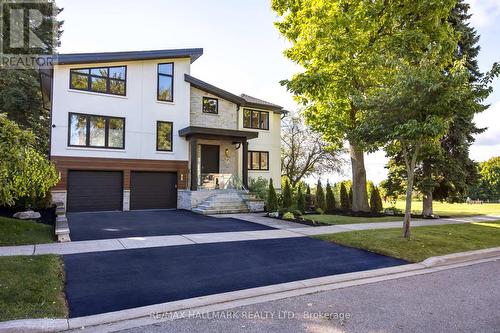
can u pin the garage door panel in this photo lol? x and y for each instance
(94, 191)
(153, 190)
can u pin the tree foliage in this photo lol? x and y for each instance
(309, 198)
(25, 174)
(272, 198)
(344, 197)
(287, 195)
(304, 152)
(320, 196)
(330, 199)
(301, 201)
(375, 199)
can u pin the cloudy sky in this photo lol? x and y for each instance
(243, 52)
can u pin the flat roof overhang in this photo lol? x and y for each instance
(217, 134)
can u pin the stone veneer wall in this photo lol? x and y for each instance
(227, 118)
(187, 199)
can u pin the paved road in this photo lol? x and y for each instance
(465, 299)
(117, 280)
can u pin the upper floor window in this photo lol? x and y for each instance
(106, 80)
(87, 130)
(255, 119)
(258, 160)
(166, 82)
(164, 135)
(210, 105)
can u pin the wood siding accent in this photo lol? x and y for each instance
(65, 163)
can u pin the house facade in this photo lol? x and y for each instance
(134, 130)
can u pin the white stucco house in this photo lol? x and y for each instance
(134, 130)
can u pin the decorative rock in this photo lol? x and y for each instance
(274, 214)
(27, 215)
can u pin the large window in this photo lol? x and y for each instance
(106, 80)
(255, 119)
(210, 105)
(166, 82)
(258, 160)
(164, 136)
(96, 131)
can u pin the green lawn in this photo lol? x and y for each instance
(32, 287)
(425, 241)
(456, 209)
(341, 219)
(21, 232)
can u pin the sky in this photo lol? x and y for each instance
(243, 51)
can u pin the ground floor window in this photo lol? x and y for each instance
(258, 160)
(164, 135)
(95, 131)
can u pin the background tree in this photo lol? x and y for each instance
(272, 199)
(320, 196)
(20, 91)
(330, 198)
(343, 47)
(344, 198)
(309, 198)
(487, 187)
(415, 112)
(287, 195)
(301, 201)
(304, 152)
(25, 174)
(446, 170)
(375, 199)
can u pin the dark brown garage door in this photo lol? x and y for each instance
(153, 190)
(94, 191)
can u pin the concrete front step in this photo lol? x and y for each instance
(220, 211)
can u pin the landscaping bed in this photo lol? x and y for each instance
(425, 242)
(32, 287)
(23, 232)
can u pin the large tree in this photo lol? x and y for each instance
(20, 91)
(342, 46)
(304, 152)
(446, 170)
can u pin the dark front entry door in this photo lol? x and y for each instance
(153, 190)
(209, 159)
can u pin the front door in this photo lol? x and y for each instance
(209, 159)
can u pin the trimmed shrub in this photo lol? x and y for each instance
(308, 198)
(258, 186)
(375, 200)
(320, 196)
(319, 211)
(330, 199)
(301, 200)
(272, 199)
(288, 216)
(344, 198)
(297, 213)
(287, 195)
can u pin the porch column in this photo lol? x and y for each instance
(194, 164)
(244, 174)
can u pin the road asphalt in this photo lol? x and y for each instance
(465, 299)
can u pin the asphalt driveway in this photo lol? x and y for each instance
(110, 281)
(106, 225)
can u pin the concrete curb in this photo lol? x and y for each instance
(140, 316)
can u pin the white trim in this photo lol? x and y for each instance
(96, 93)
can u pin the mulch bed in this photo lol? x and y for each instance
(48, 214)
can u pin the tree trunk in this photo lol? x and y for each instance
(427, 209)
(359, 195)
(407, 219)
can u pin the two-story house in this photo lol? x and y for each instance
(134, 130)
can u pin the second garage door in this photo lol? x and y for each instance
(153, 190)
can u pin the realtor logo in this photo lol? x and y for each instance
(28, 33)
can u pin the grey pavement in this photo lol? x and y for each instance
(465, 299)
(284, 230)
